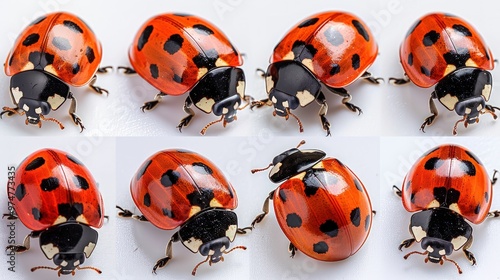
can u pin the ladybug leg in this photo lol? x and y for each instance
(164, 261)
(407, 243)
(124, 213)
(397, 191)
(72, 112)
(26, 243)
(322, 112)
(248, 100)
(187, 109)
(265, 209)
(105, 69)
(11, 111)
(10, 216)
(491, 109)
(126, 70)
(260, 103)
(292, 249)
(367, 76)
(400, 81)
(346, 98)
(152, 104)
(432, 106)
(96, 88)
(467, 253)
(494, 177)
(260, 72)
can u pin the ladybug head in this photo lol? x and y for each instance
(68, 262)
(214, 251)
(33, 109)
(436, 248)
(227, 108)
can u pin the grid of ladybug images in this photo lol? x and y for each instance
(245, 139)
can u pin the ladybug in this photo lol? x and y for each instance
(180, 188)
(321, 205)
(446, 51)
(323, 53)
(54, 52)
(178, 54)
(446, 187)
(58, 199)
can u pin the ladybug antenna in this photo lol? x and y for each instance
(50, 120)
(58, 268)
(89, 267)
(415, 252)
(204, 130)
(260, 169)
(459, 121)
(454, 262)
(237, 247)
(301, 128)
(196, 267)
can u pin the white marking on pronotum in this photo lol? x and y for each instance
(55, 101)
(205, 104)
(26, 108)
(275, 169)
(89, 249)
(192, 244)
(449, 101)
(458, 242)
(418, 232)
(50, 250)
(231, 232)
(38, 110)
(240, 88)
(486, 92)
(269, 83)
(305, 97)
(16, 94)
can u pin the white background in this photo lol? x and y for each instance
(98, 155)
(254, 27)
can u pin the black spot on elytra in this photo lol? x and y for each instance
(301, 50)
(99, 210)
(80, 182)
(468, 167)
(70, 211)
(61, 43)
(11, 60)
(410, 59)
(486, 197)
(206, 60)
(356, 216)
(311, 184)
(308, 22)
(36, 214)
(20, 192)
(457, 57)
(73, 26)
(334, 37)
(414, 26)
(168, 213)
(153, 69)
(433, 163)
(335, 69)
(282, 195)
(430, 38)
(446, 197)
(202, 29)
(425, 71)
(89, 53)
(49, 184)
(320, 247)
(143, 169)
(473, 156)
(147, 200)
(329, 228)
(462, 30)
(230, 190)
(367, 222)
(412, 197)
(201, 198)
(73, 159)
(202, 168)
(38, 20)
(169, 178)
(355, 61)
(486, 53)
(34, 164)
(31, 39)
(408, 184)
(361, 30)
(477, 209)
(76, 68)
(173, 44)
(293, 220)
(358, 185)
(144, 38)
(177, 78)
